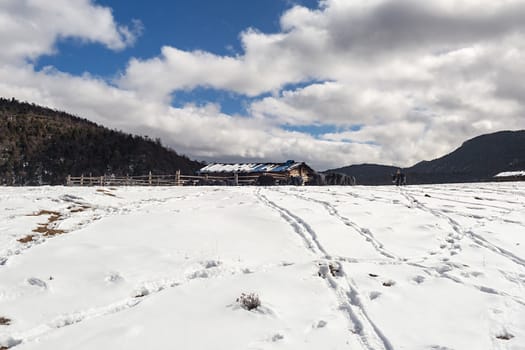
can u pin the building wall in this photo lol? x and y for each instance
(301, 171)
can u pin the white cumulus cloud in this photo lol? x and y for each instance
(398, 81)
(30, 28)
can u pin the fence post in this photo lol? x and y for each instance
(101, 181)
(82, 180)
(177, 178)
(149, 178)
(68, 180)
(236, 179)
(90, 179)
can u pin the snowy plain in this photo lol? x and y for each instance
(418, 267)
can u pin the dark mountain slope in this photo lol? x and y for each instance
(478, 159)
(39, 145)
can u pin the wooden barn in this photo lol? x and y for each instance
(290, 172)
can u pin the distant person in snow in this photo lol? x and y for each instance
(399, 178)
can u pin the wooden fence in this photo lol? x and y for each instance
(171, 180)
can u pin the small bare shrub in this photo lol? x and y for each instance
(26, 239)
(249, 301)
(505, 336)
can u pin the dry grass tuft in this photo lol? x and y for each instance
(79, 209)
(106, 192)
(249, 301)
(47, 231)
(45, 212)
(26, 239)
(505, 336)
(4, 321)
(44, 228)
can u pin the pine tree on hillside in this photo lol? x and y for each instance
(39, 145)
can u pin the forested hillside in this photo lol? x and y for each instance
(39, 145)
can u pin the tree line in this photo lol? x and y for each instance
(39, 145)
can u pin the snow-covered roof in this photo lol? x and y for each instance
(250, 167)
(511, 173)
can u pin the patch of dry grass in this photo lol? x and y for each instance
(26, 239)
(79, 209)
(106, 192)
(47, 231)
(45, 228)
(45, 212)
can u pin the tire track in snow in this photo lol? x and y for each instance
(434, 271)
(364, 232)
(512, 190)
(373, 197)
(299, 226)
(476, 203)
(480, 241)
(513, 206)
(439, 272)
(367, 331)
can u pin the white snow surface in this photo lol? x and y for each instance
(417, 267)
(249, 167)
(510, 173)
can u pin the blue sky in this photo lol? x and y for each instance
(206, 25)
(333, 83)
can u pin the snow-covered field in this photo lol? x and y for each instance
(419, 267)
